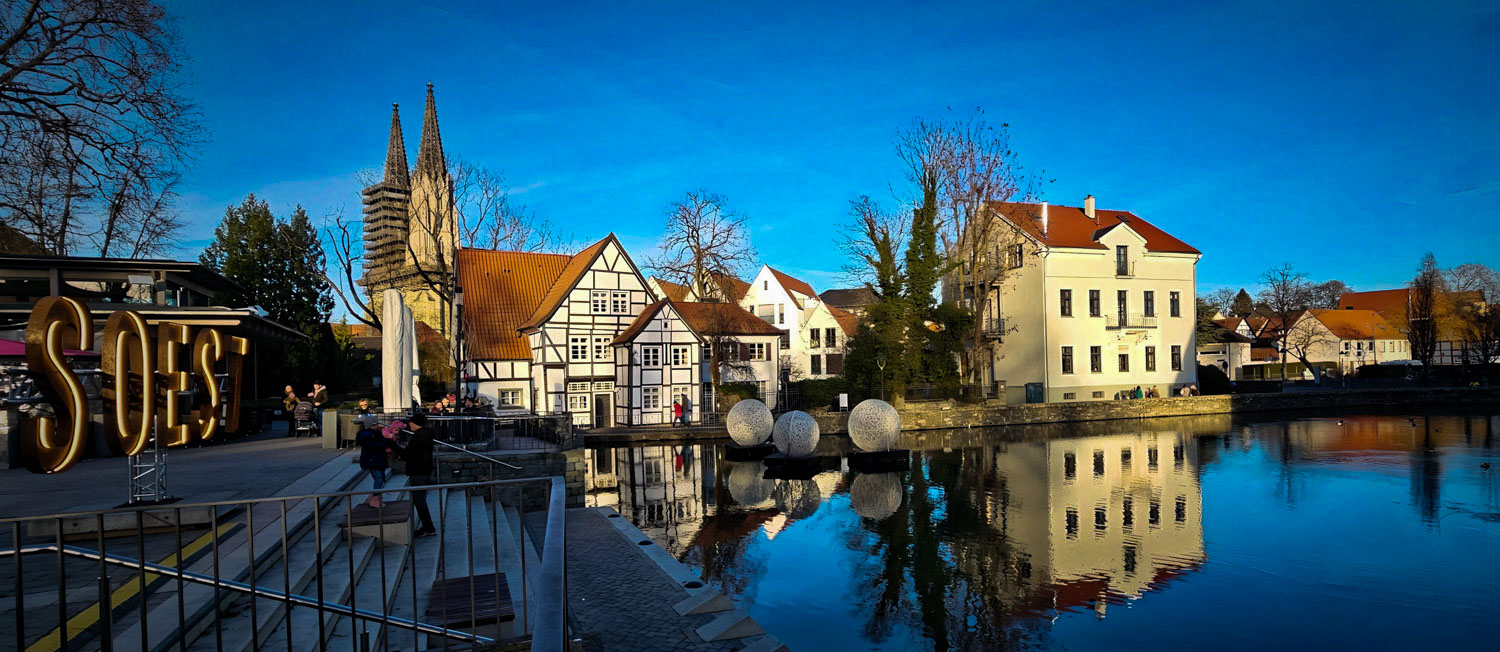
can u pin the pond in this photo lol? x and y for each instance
(1377, 530)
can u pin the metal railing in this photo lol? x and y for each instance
(1124, 269)
(993, 326)
(486, 458)
(1118, 321)
(231, 571)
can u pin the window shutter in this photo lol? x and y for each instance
(744, 351)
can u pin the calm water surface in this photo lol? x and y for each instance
(1374, 531)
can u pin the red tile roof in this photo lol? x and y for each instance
(1068, 226)
(1390, 302)
(640, 322)
(846, 320)
(501, 290)
(708, 319)
(793, 285)
(1356, 324)
(673, 291)
(566, 280)
(733, 287)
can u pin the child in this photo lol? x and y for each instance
(374, 451)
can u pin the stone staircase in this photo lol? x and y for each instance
(384, 571)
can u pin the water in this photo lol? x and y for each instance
(1379, 531)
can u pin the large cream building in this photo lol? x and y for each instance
(410, 224)
(1089, 303)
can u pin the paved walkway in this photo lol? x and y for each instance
(256, 466)
(620, 599)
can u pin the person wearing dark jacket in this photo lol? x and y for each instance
(289, 400)
(418, 455)
(375, 447)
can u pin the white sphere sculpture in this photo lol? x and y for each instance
(874, 425)
(875, 495)
(749, 422)
(795, 434)
(748, 485)
(797, 498)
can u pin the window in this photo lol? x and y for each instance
(651, 473)
(1122, 303)
(651, 398)
(765, 285)
(1150, 358)
(1346, 346)
(510, 397)
(1122, 260)
(679, 356)
(1130, 560)
(1153, 513)
(1180, 513)
(1127, 512)
(1068, 396)
(1150, 303)
(578, 349)
(817, 365)
(599, 300)
(1015, 256)
(1065, 302)
(815, 339)
(1101, 520)
(1097, 395)
(578, 387)
(785, 341)
(1096, 359)
(830, 337)
(1175, 304)
(780, 313)
(1124, 362)
(1151, 459)
(1070, 466)
(619, 303)
(578, 402)
(1093, 303)
(1072, 523)
(651, 356)
(1125, 459)
(758, 351)
(601, 348)
(1098, 464)
(1067, 359)
(1176, 358)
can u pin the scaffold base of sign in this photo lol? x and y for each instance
(737, 453)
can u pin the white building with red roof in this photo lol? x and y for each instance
(816, 333)
(1091, 303)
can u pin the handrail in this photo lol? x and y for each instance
(484, 457)
(200, 578)
(551, 633)
(251, 501)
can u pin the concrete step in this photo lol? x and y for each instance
(269, 612)
(705, 601)
(767, 643)
(511, 564)
(338, 584)
(730, 625)
(421, 572)
(529, 573)
(375, 591)
(198, 599)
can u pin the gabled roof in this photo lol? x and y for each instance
(1390, 302)
(849, 298)
(1068, 226)
(847, 321)
(1229, 323)
(641, 321)
(577, 266)
(733, 288)
(1356, 324)
(673, 291)
(710, 319)
(791, 284)
(501, 290)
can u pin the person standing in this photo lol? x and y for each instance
(318, 396)
(676, 413)
(418, 455)
(374, 453)
(289, 401)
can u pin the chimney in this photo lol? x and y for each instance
(1088, 206)
(1044, 218)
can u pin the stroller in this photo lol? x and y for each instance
(305, 420)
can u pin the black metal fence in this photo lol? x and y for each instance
(917, 393)
(302, 572)
(505, 432)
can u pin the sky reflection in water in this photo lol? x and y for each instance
(1172, 533)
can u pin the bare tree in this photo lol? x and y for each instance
(1220, 300)
(92, 124)
(1424, 311)
(1285, 295)
(343, 239)
(873, 243)
(1474, 277)
(974, 167)
(1480, 331)
(1326, 294)
(489, 217)
(704, 240)
(1302, 339)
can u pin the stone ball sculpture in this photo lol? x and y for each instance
(874, 425)
(749, 422)
(795, 434)
(748, 486)
(797, 498)
(875, 496)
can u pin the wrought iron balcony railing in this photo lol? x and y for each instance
(1119, 321)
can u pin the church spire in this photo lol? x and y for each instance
(395, 153)
(430, 159)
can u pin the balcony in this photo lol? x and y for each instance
(1128, 322)
(993, 327)
(1124, 269)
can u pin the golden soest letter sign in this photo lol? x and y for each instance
(136, 380)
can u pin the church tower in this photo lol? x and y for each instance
(411, 232)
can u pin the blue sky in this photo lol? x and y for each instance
(1348, 138)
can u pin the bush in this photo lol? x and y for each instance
(821, 392)
(1211, 380)
(732, 393)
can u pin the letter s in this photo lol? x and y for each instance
(53, 444)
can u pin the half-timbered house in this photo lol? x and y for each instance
(657, 361)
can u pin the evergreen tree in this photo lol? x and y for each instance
(1243, 305)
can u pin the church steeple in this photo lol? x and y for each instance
(430, 159)
(395, 153)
